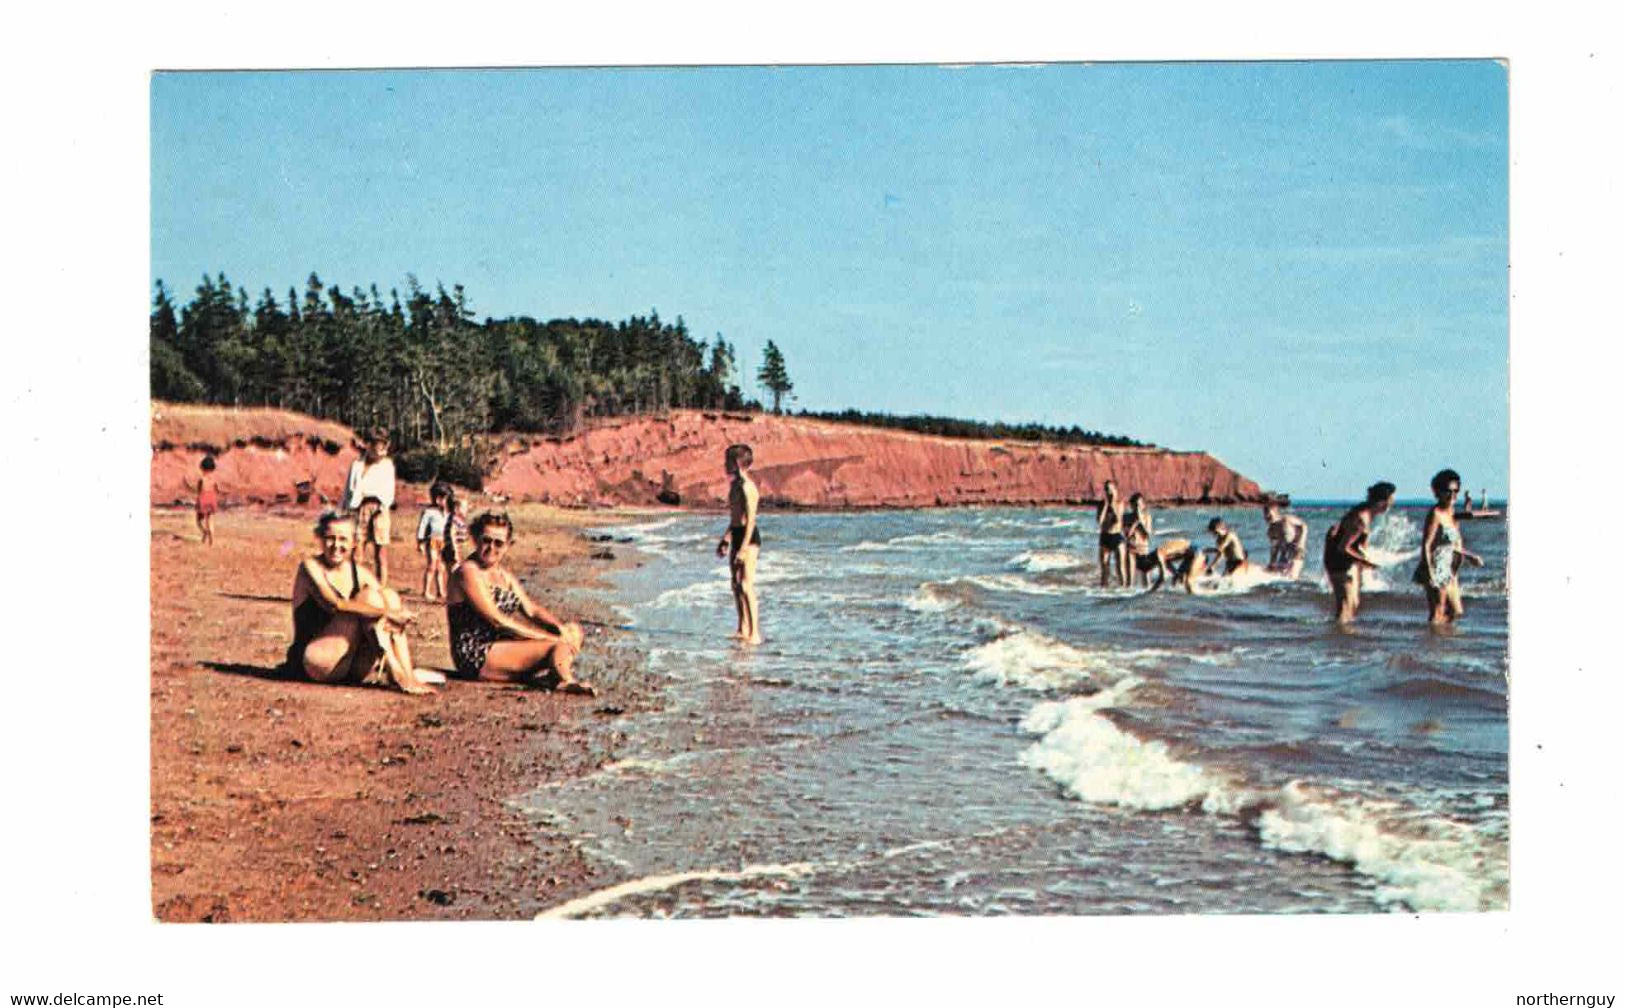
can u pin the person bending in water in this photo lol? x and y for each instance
(346, 626)
(1287, 534)
(1188, 566)
(1344, 555)
(1443, 553)
(1164, 561)
(497, 632)
(1227, 547)
(742, 543)
(1113, 545)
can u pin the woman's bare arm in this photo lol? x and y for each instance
(317, 585)
(478, 594)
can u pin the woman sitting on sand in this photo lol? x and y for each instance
(497, 632)
(346, 627)
(1443, 552)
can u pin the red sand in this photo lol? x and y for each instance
(277, 799)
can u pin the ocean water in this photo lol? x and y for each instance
(950, 717)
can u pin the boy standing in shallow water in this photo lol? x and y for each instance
(743, 541)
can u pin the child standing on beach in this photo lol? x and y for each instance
(431, 542)
(743, 541)
(372, 479)
(208, 500)
(456, 532)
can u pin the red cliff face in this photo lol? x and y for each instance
(270, 456)
(816, 464)
(263, 456)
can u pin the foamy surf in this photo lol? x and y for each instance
(1423, 861)
(1038, 561)
(1032, 660)
(658, 883)
(1426, 862)
(1089, 756)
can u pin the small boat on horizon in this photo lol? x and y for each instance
(1468, 512)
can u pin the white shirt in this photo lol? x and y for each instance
(375, 480)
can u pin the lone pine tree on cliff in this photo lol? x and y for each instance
(773, 375)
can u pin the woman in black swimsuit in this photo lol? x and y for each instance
(1113, 545)
(347, 627)
(497, 632)
(1344, 555)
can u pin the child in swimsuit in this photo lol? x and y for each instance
(743, 542)
(1227, 547)
(431, 543)
(456, 533)
(208, 500)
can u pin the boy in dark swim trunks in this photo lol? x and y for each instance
(743, 542)
(1227, 547)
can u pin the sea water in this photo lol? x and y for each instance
(950, 716)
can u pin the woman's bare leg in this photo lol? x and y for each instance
(745, 575)
(523, 660)
(330, 654)
(1452, 601)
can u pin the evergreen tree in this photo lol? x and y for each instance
(773, 375)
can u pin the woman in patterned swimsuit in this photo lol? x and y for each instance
(1442, 552)
(497, 632)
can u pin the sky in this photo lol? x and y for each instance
(1300, 267)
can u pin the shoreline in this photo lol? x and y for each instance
(276, 799)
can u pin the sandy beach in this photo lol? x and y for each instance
(275, 799)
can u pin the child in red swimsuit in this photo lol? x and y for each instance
(208, 500)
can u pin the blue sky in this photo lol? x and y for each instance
(1301, 267)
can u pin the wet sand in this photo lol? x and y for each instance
(276, 799)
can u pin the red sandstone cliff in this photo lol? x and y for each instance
(269, 456)
(817, 464)
(264, 456)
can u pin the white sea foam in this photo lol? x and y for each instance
(1037, 561)
(706, 592)
(1421, 860)
(1426, 862)
(908, 542)
(1242, 581)
(1394, 539)
(1009, 583)
(1087, 754)
(930, 598)
(1030, 659)
(658, 883)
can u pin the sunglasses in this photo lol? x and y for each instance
(492, 541)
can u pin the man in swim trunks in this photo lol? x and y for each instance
(1344, 555)
(1227, 547)
(1287, 534)
(743, 542)
(1113, 545)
